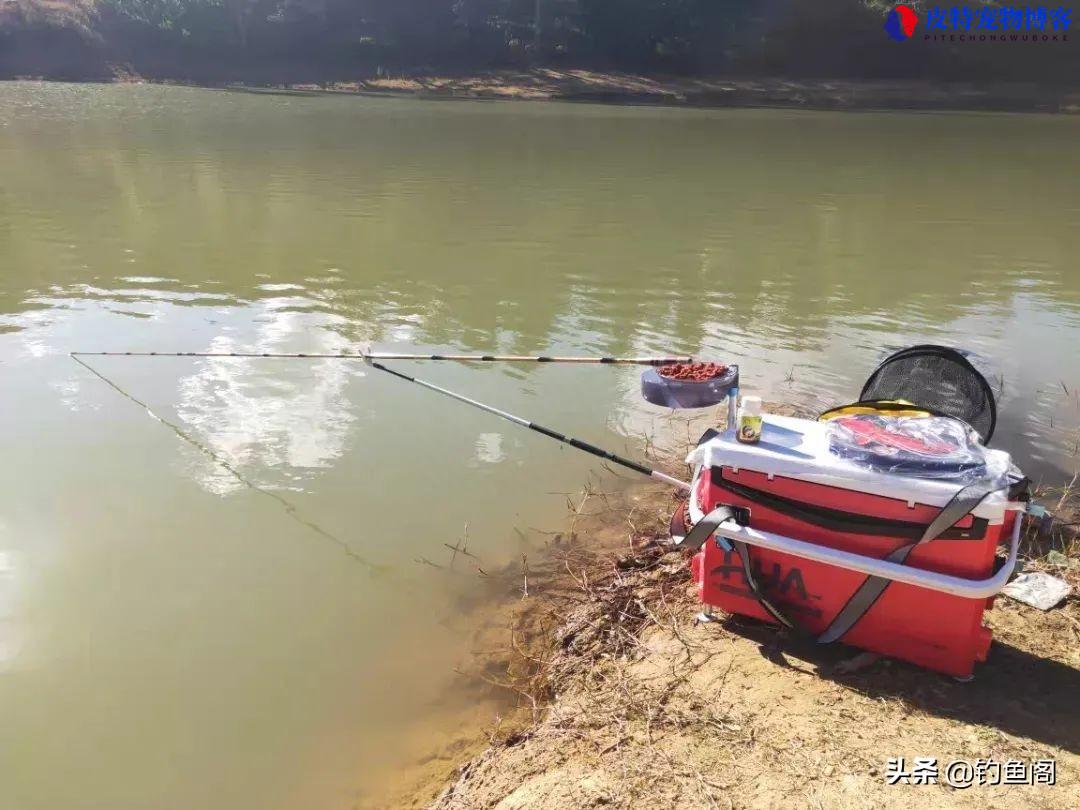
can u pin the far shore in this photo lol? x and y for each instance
(546, 84)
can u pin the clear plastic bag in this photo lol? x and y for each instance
(920, 446)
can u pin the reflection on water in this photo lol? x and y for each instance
(257, 415)
(9, 628)
(171, 636)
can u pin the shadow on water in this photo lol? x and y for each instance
(1014, 691)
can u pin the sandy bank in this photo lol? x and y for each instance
(622, 88)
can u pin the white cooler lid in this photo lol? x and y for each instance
(799, 448)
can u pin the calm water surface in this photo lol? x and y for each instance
(176, 635)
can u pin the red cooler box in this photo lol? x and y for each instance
(817, 533)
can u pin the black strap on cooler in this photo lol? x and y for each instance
(763, 600)
(962, 503)
(703, 530)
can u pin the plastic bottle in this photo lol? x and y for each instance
(749, 429)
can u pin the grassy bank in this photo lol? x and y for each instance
(627, 701)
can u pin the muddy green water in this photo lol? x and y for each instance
(171, 637)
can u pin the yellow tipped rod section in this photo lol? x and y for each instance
(361, 355)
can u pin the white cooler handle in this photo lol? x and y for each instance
(872, 566)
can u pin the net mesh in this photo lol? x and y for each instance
(939, 379)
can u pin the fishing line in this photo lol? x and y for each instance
(290, 509)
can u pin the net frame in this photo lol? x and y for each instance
(940, 379)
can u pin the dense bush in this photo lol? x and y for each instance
(341, 38)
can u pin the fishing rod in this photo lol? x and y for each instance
(371, 359)
(515, 358)
(551, 434)
(361, 355)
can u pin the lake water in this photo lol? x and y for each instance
(174, 634)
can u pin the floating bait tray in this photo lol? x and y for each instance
(670, 392)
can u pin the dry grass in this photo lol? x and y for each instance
(1053, 545)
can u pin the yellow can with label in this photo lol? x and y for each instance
(748, 429)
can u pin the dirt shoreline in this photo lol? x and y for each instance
(579, 85)
(627, 701)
